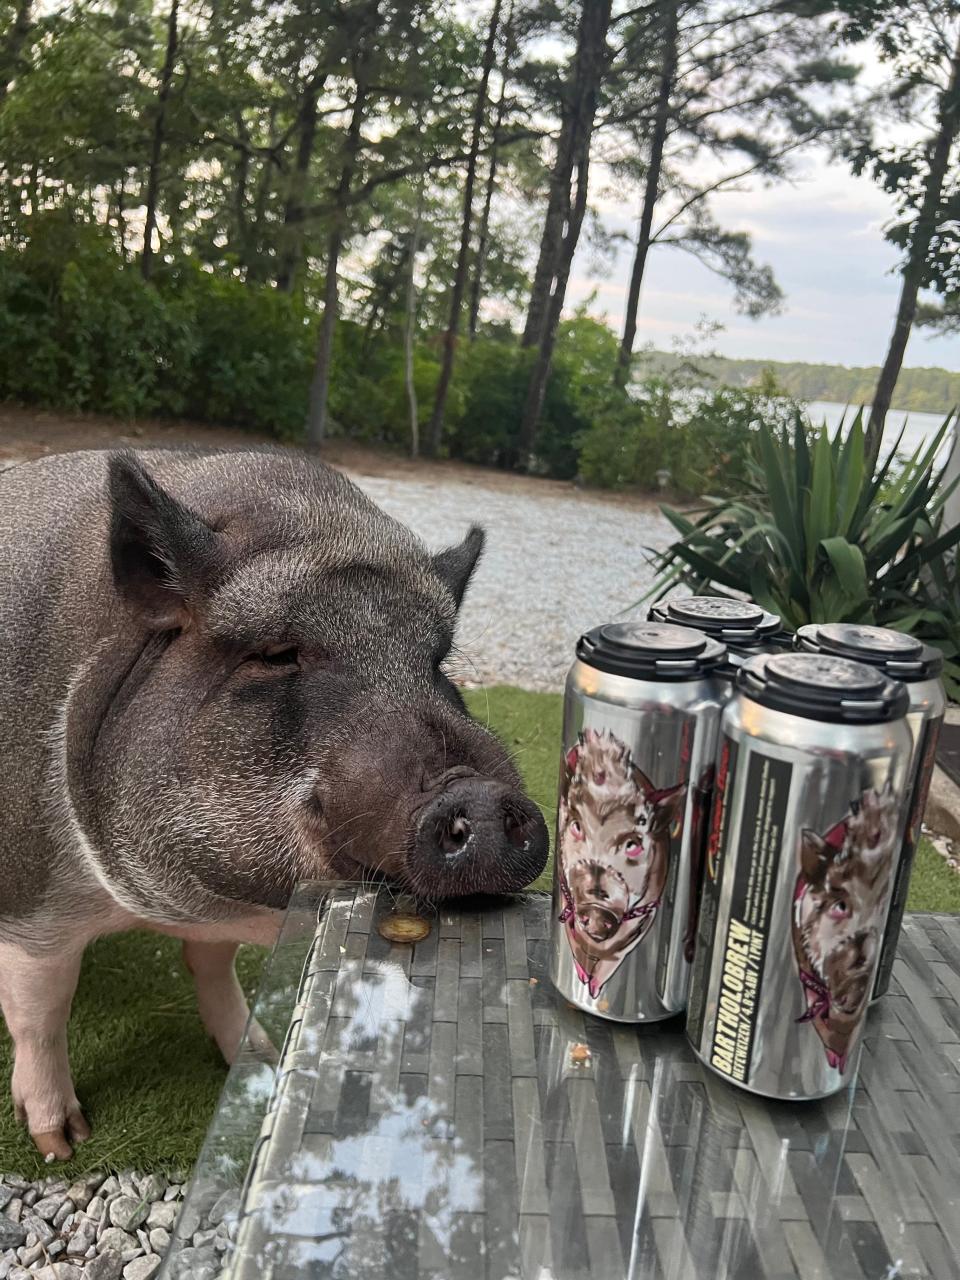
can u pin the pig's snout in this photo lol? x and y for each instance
(479, 836)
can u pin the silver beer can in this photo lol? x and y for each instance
(641, 714)
(919, 666)
(740, 625)
(804, 838)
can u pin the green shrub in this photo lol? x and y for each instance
(814, 537)
(250, 352)
(80, 329)
(703, 440)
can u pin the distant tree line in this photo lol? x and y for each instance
(929, 390)
(327, 205)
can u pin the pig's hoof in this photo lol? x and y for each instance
(56, 1143)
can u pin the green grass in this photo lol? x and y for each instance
(145, 1071)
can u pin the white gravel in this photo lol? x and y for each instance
(106, 1228)
(554, 566)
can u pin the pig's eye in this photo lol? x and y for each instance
(839, 910)
(277, 655)
(576, 830)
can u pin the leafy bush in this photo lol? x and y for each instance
(703, 439)
(815, 538)
(492, 382)
(80, 329)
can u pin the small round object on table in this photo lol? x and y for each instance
(401, 927)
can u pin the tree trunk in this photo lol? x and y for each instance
(290, 258)
(320, 384)
(540, 374)
(661, 121)
(410, 324)
(460, 272)
(157, 140)
(590, 64)
(12, 45)
(483, 236)
(551, 240)
(915, 265)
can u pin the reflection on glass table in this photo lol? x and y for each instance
(440, 1112)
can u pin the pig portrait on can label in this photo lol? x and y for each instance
(839, 911)
(223, 673)
(613, 850)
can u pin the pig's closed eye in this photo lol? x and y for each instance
(277, 655)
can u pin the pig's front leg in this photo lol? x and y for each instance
(36, 991)
(222, 1004)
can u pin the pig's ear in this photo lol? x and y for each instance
(814, 856)
(159, 549)
(455, 566)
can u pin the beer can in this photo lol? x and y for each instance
(804, 838)
(919, 666)
(740, 625)
(641, 715)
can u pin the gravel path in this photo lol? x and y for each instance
(104, 1228)
(553, 567)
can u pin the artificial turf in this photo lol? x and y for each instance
(145, 1071)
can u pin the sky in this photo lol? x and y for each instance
(823, 236)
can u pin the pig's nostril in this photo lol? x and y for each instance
(515, 830)
(455, 833)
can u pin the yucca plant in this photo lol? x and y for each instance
(815, 538)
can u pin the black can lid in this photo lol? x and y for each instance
(650, 650)
(898, 654)
(820, 686)
(735, 621)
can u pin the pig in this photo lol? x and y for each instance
(839, 911)
(613, 848)
(222, 673)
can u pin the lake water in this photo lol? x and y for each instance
(919, 426)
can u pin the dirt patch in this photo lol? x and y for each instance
(32, 433)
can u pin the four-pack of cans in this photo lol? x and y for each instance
(738, 814)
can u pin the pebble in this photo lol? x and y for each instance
(128, 1212)
(159, 1240)
(141, 1268)
(84, 1234)
(152, 1187)
(105, 1266)
(48, 1207)
(12, 1234)
(81, 1192)
(63, 1215)
(6, 1195)
(118, 1240)
(96, 1208)
(163, 1214)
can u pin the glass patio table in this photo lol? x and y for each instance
(439, 1112)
